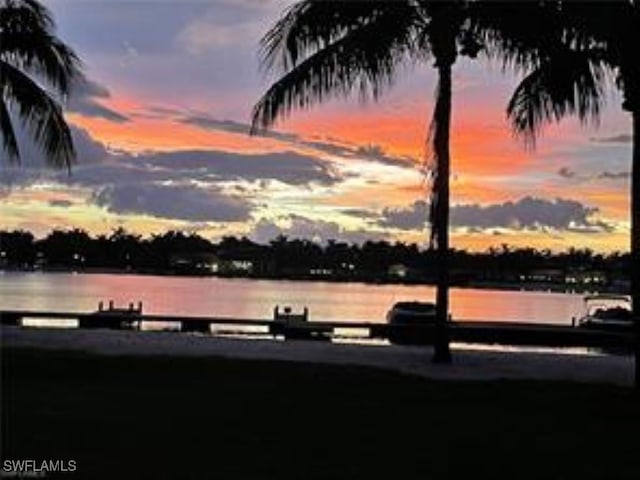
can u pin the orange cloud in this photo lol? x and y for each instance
(153, 134)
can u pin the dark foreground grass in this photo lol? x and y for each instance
(157, 417)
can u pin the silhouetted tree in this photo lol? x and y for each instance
(293, 258)
(567, 50)
(125, 249)
(323, 49)
(66, 248)
(17, 248)
(33, 61)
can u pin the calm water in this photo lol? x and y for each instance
(257, 298)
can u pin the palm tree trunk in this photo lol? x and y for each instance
(635, 239)
(442, 125)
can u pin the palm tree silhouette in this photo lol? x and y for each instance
(32, 62)
(327, 49)
(571, 51)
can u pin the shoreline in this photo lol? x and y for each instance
(470, 364)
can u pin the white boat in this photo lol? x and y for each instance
(607, 312)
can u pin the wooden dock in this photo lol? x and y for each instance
(477, 332)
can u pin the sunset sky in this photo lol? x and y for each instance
(161, 129)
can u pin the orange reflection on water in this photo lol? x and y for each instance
(241, 298)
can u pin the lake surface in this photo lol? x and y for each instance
(256, 298)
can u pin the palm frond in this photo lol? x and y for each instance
(29, 13)
(8, 135)
(27, 42)
(41, 114)
(42, 55)
(310, 25)
(515, 43)
(362, 55)
(612, 24)
(569, 83)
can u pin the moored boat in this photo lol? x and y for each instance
(607, 312)
(411, 323)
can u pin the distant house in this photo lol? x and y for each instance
(320, 272)
(544, 275)
(244, 261)
(240, 266)
(195, 263)
(398, 270)
(593, 277)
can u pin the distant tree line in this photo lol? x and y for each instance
(374, 261)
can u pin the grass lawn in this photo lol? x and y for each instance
(160, 417)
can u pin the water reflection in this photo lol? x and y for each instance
(240, 298)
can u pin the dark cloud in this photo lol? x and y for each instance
(412, 218)
(113, 173)
(158, 112)
(91, 89)
(566, 172)
(377, 153)
(360, 213)
(128, 184)
(88, 149)
(287, 167)
(615, 175)
(89, 108)
(85, 98)
(209, 123)
(173, 202)
(319, 231)
(526, 213)
(620, 138)
(124, 183)
(596, 227)
(332, 147)
(32, 161)
(97, 166)
(182, 185)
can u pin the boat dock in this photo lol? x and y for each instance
(475, 332)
